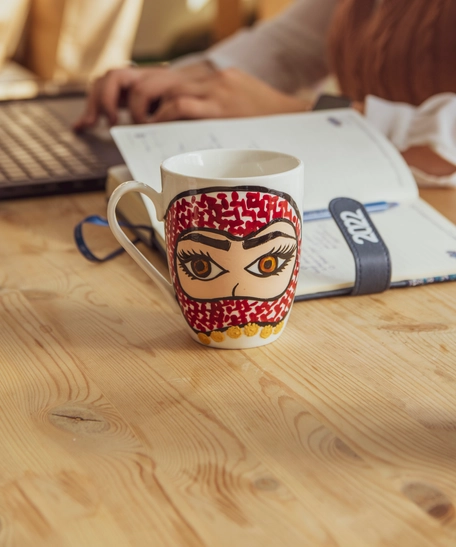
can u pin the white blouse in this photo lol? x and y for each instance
(289, 53)
(432, 124)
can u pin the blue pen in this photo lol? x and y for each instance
(373, 207)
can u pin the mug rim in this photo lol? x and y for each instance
(271, 153)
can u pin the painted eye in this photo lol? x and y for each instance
(200, 266)
(268, 264)
(272, 263)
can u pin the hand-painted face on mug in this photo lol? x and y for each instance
(234, 257)
(212, 264)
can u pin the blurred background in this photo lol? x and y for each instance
(77, 40)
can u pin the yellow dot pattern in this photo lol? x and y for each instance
(251, 329)
(217, 336)
(234, 332)
(278, 327)
(266, 331)
(204, 338)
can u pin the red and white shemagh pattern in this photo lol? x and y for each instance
(240, 213)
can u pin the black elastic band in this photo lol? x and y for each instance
(372, 258)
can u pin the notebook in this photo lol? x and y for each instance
(343, 155)
(41, 155)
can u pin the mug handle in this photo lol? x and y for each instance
(132, 250)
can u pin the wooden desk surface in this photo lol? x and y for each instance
(117, 430)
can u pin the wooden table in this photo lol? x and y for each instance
(117, 430)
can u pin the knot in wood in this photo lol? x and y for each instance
(345, 450)
(431, 500)
(78, 419)
(266, 483)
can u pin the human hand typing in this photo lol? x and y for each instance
(224, 94)
(138, 89)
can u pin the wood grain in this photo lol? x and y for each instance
(119, 430)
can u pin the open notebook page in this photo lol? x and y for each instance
(421, 242)
(342, 154)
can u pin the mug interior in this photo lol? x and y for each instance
(228, 163)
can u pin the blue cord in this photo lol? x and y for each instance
(99, 221)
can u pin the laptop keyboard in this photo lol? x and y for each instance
(36, 145)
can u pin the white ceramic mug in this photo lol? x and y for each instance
(233, 225)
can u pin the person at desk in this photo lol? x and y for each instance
(394, 59)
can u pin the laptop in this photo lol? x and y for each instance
(41, 155)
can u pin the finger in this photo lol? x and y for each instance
(139, 101)
(147, 92)
(186, 108)
(183, 101)
(114, 82)
(198, 88)
(91, 113)
(103, 97)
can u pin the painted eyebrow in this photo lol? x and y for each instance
(222, 244)
(255, 242)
